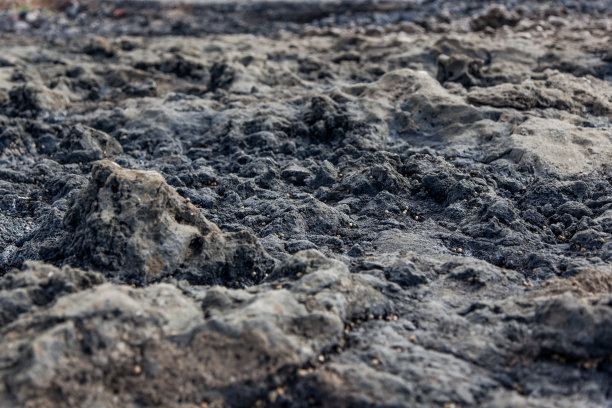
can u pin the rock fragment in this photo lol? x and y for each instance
(99, 46)
(136, 228)
(84, 144)
(574, 328)
(38, 285)
(495, 17)
(36, 97)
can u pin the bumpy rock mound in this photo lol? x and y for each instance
(138, 229)
(119, 346)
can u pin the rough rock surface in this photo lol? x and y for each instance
(135, 226)
(338, 204)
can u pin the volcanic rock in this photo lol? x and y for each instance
(138, 229)
(313, 203)
(245, 341)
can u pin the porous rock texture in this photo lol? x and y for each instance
(135, 226)
(321, 203)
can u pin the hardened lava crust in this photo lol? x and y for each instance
(295, 204)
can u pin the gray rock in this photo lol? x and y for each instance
(137, 228)
(84, 144)
(38, 285)
(574, 328)
(127, 338)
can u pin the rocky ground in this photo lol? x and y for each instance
(356, 204)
